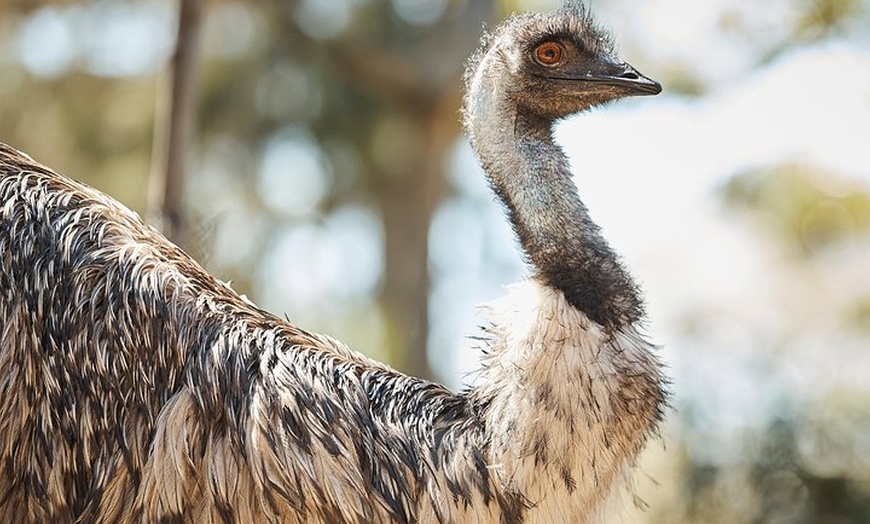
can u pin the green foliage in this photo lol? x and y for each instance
(823, 17)
(804, 208)
(859, 316)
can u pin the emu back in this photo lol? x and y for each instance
(89, 350)
(135, 387)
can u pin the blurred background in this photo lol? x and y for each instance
(326, 177)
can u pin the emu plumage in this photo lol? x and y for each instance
(134, 387)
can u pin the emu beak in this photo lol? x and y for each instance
(625, 78)
(621, 79)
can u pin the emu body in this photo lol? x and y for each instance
(134, 387)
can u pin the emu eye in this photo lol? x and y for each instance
(548, 53)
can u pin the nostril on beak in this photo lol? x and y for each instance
(629, 72)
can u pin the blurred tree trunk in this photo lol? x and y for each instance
(174, 137)
(408, 203)
(410, 186)
(423, 91)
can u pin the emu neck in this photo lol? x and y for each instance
(530, 174)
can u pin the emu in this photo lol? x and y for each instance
(134, 387)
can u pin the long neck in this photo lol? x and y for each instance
(531, 176)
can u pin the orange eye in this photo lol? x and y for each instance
(548, 53)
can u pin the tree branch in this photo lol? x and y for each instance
(166, 198)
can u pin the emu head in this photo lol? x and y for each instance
(554, 64)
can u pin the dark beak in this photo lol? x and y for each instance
(618, 76)
(625, 78)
